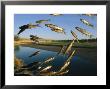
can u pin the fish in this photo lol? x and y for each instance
(71, 55)
(52, 73)
(46, 61)
(61, 50)
(42, 21)
(90, 14)
(35, 53)
(86, 22)
(49, 59)
(67, 62)
(55, 28)
(64, 66)
(34, 38)
(62, 73)
(55, 14)
(27, 26)
(39, 67)
(45, 69)
(68, 48)
(33, 26)
(75, 36)
(83, 31)
(23, 28)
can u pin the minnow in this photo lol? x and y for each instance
(61, 50)
(34, 38)
(33, 26)
(55, 28)
(90, 14)
(62, 73)
(49, 59)
(46, 61)
(69, 47)
(42, 21)
(36, 53)
(24, 27)
(52, 73)
(67, 62)
(55, 14)
(75, 36)
(45, 69)
(64, 66)
(86, 22)
(71, 55)
(83, 31)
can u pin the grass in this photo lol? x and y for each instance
(84, 44)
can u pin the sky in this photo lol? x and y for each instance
(66, 21)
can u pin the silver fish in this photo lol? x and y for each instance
(55, 14)
(45, 69)
(67, 62)
(49, 59)
(69, 47)
(62, 73)
(75, 36)
(83, 31)
(90, 14)
(52, 73)
(86, 22)
(61, 50)
(55, 28)
(42, 21)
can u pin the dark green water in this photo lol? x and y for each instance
(78, 67)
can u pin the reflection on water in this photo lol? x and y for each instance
(17, 48)
(78, 66)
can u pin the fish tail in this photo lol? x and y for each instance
(18, 33)
(91, 25)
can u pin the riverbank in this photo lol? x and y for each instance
(86, 44)
(87, 50)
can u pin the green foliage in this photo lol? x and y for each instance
(88, 40)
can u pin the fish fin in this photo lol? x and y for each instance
(21, 30)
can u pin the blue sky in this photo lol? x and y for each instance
(66, 21)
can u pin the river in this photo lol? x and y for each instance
(79, 66)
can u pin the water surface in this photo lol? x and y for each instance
(79, 66)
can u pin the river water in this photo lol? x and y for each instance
(78, 67)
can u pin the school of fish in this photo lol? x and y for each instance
(43, 68)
